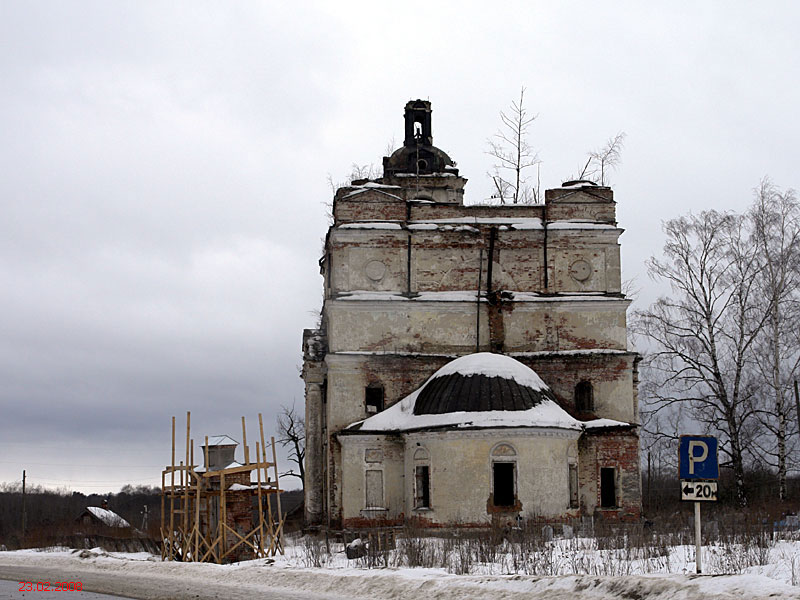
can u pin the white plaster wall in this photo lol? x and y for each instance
(449, 327)
(461, 472)
(354, 466)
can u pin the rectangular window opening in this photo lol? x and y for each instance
(608, 487)
(573, 486)
(503, 483)
(374, 484)
(373, 399)
(423, 487)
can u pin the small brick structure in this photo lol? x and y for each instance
(217, 512)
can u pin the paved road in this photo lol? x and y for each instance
(135, 586)
(10, 590)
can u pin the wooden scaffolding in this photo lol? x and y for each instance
(195, 526)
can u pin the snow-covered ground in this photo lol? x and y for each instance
(578, 570)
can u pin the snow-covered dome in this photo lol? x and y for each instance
(477, 390)
(481, 382)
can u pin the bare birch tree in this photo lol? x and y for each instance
(292, 433)
(514, 154)
(775, 223)
(603, 160)
(703, 332)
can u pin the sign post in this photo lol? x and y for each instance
(697, 460)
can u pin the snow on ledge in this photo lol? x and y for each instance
(577, 352)
(581, 225)
(367, 225)
(511, 221)
(470, 296)
(604, 423)
(238, 487)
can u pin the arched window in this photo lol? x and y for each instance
(504, 462)
(584, 397)
(422, 478)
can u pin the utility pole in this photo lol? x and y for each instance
(23, 508)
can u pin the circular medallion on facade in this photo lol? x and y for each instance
(375, 270)
(580, 270)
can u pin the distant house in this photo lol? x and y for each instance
(102, 517)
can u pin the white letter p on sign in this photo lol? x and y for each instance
(695, 458)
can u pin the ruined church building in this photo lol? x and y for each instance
(471, 364)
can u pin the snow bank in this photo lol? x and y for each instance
(146, 577)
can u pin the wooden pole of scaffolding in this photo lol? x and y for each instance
(209, 535)
(260, 506)
(223, 516)
(181, 512)
(185, 502)
(196, 528)
(163, 516)
(172, 497)
(270, 529)
(244, 443)
(279, 530)
(277, 480)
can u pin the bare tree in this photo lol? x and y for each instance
(510, 147)
(292, 433)
(704, 331)
(601, 161)
(775, 223)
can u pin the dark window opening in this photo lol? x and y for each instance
(373, 399)
(573, 486)
(503, 483)
(584, 397)
(423, 487)
(422, 164)
(608, 487)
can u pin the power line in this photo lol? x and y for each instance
(97, 481)
(75, 464)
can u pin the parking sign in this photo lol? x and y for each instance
(697, 457)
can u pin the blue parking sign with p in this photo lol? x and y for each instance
(697, 457)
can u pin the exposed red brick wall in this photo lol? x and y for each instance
(618, 449)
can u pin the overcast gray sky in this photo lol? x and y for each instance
(164, 175)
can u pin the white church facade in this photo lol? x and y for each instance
(471, 363)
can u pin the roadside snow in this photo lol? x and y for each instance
(147, 575)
